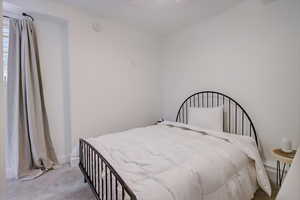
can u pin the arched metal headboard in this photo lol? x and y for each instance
(236, 119)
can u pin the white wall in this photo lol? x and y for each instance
(251, 52)
(113, 74)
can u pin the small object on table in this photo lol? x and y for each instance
(286, 145)
(286, 159)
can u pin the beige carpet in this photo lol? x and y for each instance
(62, 184)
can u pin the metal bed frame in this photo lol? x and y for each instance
(107, 184)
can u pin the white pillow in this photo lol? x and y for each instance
(206, 118)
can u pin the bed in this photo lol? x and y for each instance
(175, 160)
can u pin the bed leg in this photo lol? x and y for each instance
(84, 179)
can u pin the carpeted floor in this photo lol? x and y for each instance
(62, 184)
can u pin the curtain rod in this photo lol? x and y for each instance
(23, 14)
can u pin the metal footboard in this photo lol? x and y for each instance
(102, 178)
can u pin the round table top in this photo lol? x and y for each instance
(283, 156)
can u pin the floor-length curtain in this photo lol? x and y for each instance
(30, 149)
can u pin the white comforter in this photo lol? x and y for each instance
(166, 162)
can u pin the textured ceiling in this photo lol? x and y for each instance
(158, 16)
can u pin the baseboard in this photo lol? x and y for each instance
(74, 158)
(74, 161)
(9, 173)
(64, 159)
(271, 168)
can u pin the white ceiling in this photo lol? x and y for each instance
(158, 16)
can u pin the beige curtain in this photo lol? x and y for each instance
(30, 148)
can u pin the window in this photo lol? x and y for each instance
(5, 35)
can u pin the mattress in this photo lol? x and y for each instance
(172, 161)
